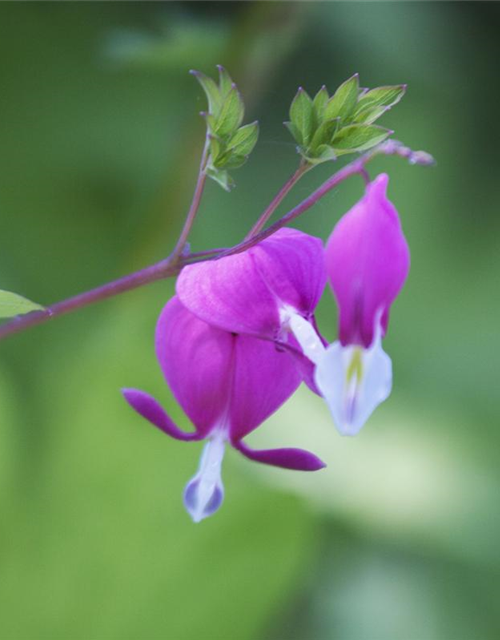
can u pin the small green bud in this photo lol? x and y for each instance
(229, 143)
(325, 127)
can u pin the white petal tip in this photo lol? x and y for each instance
(353, 382)
(204, 493)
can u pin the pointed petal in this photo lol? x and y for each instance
(297, 459)
(264, 378)
(293, 266)
(205, 492)
(230, 294)
(367, 260)
(150, 409)
(354, 382)
(196, 360)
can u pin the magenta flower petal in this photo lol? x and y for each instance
(196, 360)
(293, 265)
(244, 293)
(264, 378)
(297, 459)
(150, 409)
(230, 294)
(367, 260)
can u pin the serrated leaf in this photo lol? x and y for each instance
(359, 137)
(319, 103)
(221, 177)
(342, 104)
(212, 92)
(245, 139)
(12, 304)
(296, 134)
(325, 133)
(231, 113)
(225, 82)
(302, 115)
(376, 102)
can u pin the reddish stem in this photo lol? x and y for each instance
(174, 263)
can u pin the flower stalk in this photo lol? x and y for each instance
(172, 265)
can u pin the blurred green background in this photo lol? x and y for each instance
(100, 139)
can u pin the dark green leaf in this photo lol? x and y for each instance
(12, 304)
(302, 115)
(359, 137)
(344, 100)
(244, 140)
(376, 102)
(231, 113)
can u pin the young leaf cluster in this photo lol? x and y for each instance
(230, 144)
(326, 127)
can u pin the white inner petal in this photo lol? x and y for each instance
(204, 492)
(305, 334)
(354, 381)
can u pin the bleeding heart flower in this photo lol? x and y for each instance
(228, 385)
(367, 260)
(269, 291)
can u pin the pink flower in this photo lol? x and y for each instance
(269, 291)
(228, 385)
(367, 260)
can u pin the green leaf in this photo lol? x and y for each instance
(232, 161)
(344, 100)
(325, 133)
(319, 103)
(231, 113)
(215, 148)
(359, 137)
(221, 177)
(245, 139)
(12, 304)
(376, 102)
(225, 82)
(211, 90)
(302, 115)
(324, 153)
(296, 133)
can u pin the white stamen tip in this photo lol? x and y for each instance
(304, 333)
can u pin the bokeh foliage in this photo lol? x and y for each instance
(100, 142)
